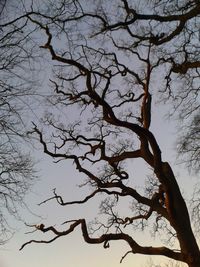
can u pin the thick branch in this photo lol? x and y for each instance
(185, 66)
(105, 238)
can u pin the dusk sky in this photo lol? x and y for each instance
(71, 250)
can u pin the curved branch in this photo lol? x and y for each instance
(185, 66)
(105, 238)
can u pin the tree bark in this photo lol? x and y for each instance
(195, 264)
(179, 217)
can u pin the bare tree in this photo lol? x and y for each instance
(16, 166)
(112, 61)
(189, 143)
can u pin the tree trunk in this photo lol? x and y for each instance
(195, 264)
(179, 218)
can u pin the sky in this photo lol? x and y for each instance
(71, 250)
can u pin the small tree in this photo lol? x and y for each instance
(113, 59)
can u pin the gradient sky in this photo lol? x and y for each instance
(72, 250)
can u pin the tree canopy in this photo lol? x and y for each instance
(111, 62)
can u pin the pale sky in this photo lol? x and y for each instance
(72, 250)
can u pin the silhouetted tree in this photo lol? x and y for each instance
(189, 143)
(112, 60)
(16, 166)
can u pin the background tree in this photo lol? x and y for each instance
(110, 65)
(16, 166)
(188, 145)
